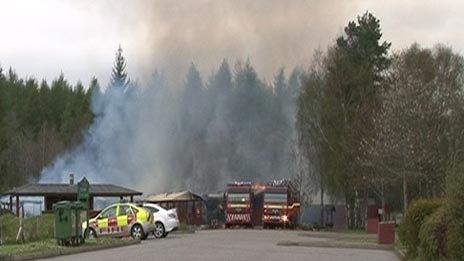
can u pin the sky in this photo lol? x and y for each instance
(44, 38)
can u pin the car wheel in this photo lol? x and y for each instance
(159, 230)
(90, 233)
(137, 232)
(165, 235)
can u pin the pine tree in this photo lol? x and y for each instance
(221, 82)
(119, 75)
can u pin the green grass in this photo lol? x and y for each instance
(28, 248)
(38, 233)
(185, 227)
(357, 236)
(48, 245)
(352, 231)
(35, 228)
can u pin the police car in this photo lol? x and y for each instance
(120, 220)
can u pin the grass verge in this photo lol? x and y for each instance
(35, 228)
(49, 248)
(345, 239)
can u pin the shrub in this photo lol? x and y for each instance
(415, 216)
(433, 235)
(455, 240)
(455, 206)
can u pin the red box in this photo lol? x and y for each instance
(387, 232)
(372, 225)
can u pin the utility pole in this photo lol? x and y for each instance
(405, 194)
(322, 204)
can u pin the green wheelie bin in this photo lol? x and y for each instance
(80, 212)
(68, 220)
(63, 222)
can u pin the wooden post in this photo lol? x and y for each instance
(405, 194)
(17, 205)
(11, 203)
(46, 200)
(132, 198)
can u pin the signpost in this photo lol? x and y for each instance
(83, 195)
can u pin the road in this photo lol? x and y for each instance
(234, 245)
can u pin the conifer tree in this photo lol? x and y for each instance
(119, 75)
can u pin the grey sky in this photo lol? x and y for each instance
(79, 38)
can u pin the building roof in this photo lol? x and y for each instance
(178, 196)
(96, 190)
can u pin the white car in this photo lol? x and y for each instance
(165, 220)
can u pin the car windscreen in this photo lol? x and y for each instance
(275, 197)
(109, 212)
(238, 197)
(124, 210)
(151, 209)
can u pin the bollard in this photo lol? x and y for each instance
(372, 225)
(387, 232)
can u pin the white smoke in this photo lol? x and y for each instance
(124, 143)
(199, 139)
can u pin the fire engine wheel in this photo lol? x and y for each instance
(90, 233)
(137, 232)
(159, 230)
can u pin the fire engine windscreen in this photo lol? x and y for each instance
(275, 197)
(238, 197)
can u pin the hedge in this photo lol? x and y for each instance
(415, 216)
(433, 236)
(455, 206)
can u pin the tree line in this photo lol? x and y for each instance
(231, 125)
(380, 124)
(39, 120)
(234, 126)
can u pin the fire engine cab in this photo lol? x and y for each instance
(280, 205)
(238, 200)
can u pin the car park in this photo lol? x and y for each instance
(166, 221)
(120, 220)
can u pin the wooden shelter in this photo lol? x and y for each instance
(190, 207)
(53, 193)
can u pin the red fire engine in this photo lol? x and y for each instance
(238, 200)
(280, 205)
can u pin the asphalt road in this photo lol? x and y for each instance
(234, 245)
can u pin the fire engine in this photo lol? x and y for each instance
(280, 205)
(238, 200)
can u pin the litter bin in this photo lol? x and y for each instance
(80, 213)
(64, 220)
(68, 228)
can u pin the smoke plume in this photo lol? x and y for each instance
(188, 128)
(231, 127)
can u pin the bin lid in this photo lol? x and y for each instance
(77, 205)
(62, 204)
